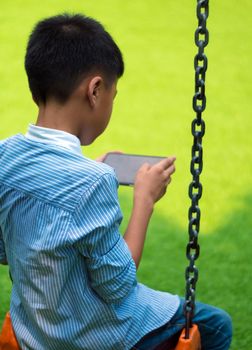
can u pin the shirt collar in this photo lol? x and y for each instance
(54, 136)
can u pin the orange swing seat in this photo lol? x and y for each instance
(193, 343)
(8, 340)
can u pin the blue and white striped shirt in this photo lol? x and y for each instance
(74, 280)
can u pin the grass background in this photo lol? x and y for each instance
(152, 115)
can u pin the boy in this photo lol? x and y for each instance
(74, 275)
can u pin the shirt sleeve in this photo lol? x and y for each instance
(2, 146)
(111, 269)
(3, 258)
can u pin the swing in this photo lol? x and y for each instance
(8, 339)
(190, 337)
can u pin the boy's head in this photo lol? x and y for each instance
(73, 65)
(64, 49)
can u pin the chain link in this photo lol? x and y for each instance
(195, 187)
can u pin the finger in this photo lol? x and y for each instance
(168, 172)
(104, 156)
(164, 191)
(165, 163)
(145, 166)
(117, 152)
(101, 158)
(168, 181)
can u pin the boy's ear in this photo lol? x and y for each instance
(94, 88)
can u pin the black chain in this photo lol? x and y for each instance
(195, 188)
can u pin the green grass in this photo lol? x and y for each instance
(152, 115)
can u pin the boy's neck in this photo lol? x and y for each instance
(71, 116)
(56, 116)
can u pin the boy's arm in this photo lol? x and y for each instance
(3, 258)
(111, 259)
(110, 267)
(150, 185)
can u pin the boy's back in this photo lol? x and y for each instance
(74, 279)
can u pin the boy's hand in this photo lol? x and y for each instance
(151, 181)
(150, 185)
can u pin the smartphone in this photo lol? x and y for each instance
(127, 165)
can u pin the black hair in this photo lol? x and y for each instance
(63, 49)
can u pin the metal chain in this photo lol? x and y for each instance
(195, 188)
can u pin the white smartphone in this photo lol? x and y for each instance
(127, 165)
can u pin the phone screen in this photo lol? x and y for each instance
(127, 165)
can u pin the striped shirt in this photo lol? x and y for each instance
(74, 279)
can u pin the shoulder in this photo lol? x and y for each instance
(98, 198)
(98, 168)
(4, 143)
(85, 179)
(58, 162)
(97, 176)
(2, 146)
(59, 176)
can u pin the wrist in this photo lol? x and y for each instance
(143, 202)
